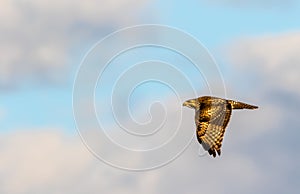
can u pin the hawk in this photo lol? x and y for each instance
(212, 115)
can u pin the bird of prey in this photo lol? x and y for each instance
(212, 115)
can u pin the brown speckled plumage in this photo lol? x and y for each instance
(212, 115)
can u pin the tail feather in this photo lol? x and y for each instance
(241, 105)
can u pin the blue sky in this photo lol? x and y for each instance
(213, 24)
(255, 44)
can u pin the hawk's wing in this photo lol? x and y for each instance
(211, 121)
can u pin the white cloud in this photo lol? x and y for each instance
(38, 37)
(272, 60)
(37, 160)
(49, 161)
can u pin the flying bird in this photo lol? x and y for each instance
(212, 115)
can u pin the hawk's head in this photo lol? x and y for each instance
(193, 103)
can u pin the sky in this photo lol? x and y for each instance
(51, 106)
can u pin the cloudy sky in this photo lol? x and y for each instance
(254, 44)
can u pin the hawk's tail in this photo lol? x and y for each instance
(241, 105)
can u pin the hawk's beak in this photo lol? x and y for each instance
(189, 103)
(185, 104)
